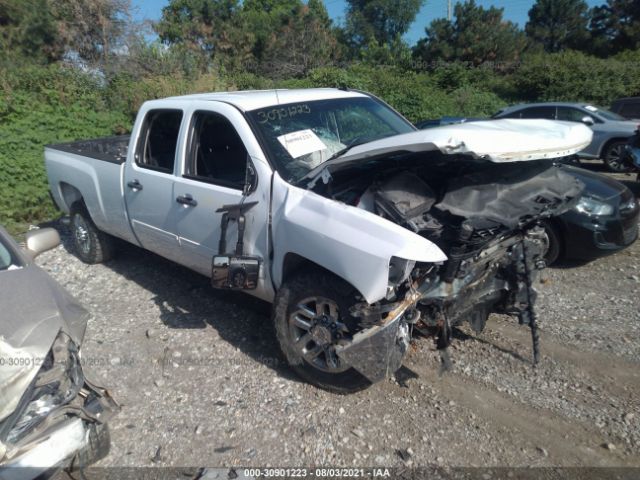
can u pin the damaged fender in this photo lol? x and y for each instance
(354, 244)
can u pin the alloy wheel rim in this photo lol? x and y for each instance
(315, 329)
(81, 234)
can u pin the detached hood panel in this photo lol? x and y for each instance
(498, 141)
(495, 140)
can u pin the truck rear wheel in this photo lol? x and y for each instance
(311, 315)
(90, 244)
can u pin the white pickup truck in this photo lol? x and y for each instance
(359, 228)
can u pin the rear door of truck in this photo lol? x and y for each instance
(149, 181)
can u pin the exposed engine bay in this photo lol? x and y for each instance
(484, 216)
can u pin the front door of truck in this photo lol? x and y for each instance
(213, 176)
(149, 183)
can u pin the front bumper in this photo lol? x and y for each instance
(75, 435)
(593, 237)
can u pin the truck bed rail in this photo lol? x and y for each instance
(109, 149)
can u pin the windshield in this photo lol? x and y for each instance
(606, 114)
(301, 136)
(6, 257)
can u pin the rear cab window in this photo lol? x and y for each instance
(158, 141)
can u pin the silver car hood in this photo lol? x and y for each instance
(499, 141)
(34, 310)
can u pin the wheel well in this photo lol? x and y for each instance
(70, 195)
(294, 263)
(609, 142)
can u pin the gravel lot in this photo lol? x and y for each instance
(201, 381)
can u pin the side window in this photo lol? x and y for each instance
(569, 114)
(547, 113)
(517, 114)
(216, 153)
(630, 110)
(156, 148)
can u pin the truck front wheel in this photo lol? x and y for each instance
(311, 316)
(90, 244)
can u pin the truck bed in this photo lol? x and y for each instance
(109, 149)
(91, 170)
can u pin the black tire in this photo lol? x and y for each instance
(321, 285)
(554, 250)
(613, 157)
(90, 244)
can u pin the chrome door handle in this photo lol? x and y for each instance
(186, 200)
(135, 185)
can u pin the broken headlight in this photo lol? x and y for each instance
(399, 270)
(57, 383)
(593, 206)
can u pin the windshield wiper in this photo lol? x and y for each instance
(341, 152)
(321, 170)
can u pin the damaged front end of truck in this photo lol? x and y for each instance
(478, 192)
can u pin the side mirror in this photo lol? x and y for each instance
(250, 179)
(587, 120)
(41, 240)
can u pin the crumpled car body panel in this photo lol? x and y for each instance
(34, 309)
(350, 242)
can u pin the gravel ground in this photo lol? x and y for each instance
(201, 382)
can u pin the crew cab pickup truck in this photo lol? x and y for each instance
(359, 228)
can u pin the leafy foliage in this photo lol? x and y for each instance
(381, 21)
(558, 24)
(477, 35)
(615, 27)
(27, 30)
(575, 76)
(40, 106)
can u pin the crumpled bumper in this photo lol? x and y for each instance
(75, 435)
(377, 352)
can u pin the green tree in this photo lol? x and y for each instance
(476, 36)
(303, 43)
(380, 20)
(289, 37)
(27, 31)
(197, 26)
(615, 27)
(559, 24)
(95, 30)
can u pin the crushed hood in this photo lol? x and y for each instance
(498, 141)
(34, 310)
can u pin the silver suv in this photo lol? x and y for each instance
(611, 132)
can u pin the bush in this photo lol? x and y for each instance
(575, 76)
(38, 106)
